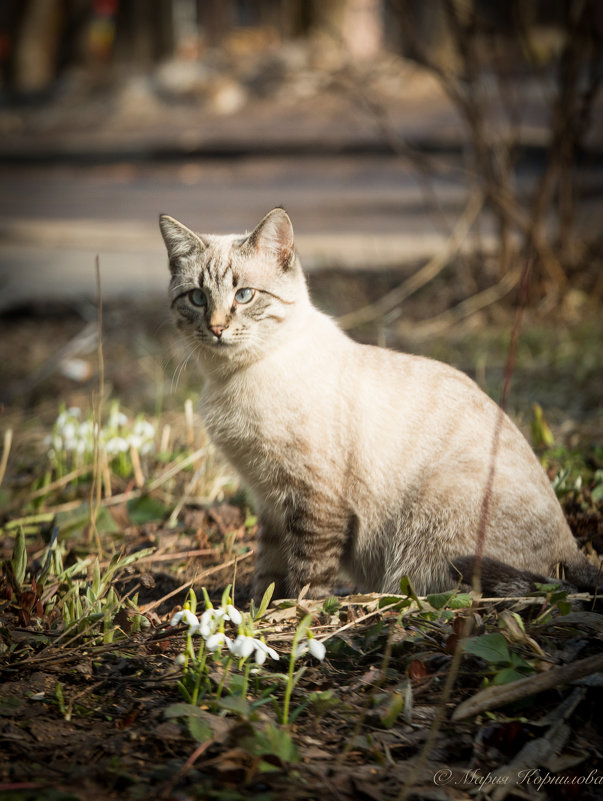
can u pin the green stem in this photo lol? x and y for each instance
(246, 679)
(289, 687)
(200, 674)
(223, 679)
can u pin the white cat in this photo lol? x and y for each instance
(356, 456)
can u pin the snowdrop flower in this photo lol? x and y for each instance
(67, 416)
(210, 620)
(117, 419)
(243, 646)
(315, 647)
(187, 616)
(142, 428)
(180, 660)
(234, 615)
(217, 640)
(262, 651)
(117, 445)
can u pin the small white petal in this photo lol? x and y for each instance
(216, 641)
(260, 644)
(317, 649)
(301, 649)
(176, 618)
(243, 646)
(180, 659)
(189, 618)
(260, 656)
(235, 616)
(208, 622)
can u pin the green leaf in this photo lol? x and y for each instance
(331, 605)
(388, 600)
(439, 600)
(265, 601)
(491, 647)
(406, 589)
(19, 558)
(76, 520)
(199, 729)
(182, 711)
(145, 509)
(394, 708)
(461, 600)
(236, 704)
(507, 675)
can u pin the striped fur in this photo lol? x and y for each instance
(358, 457)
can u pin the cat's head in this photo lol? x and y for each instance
(233, 294)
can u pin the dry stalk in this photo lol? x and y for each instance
(8, 440)
(95, 498)
(427, 273)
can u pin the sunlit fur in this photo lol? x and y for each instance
(357, 456)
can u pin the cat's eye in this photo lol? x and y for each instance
(244, 295)
(197, 297)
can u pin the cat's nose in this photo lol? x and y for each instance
(217, 329)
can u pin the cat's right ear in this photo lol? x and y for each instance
(179, 240)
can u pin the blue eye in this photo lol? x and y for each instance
(197, 297)
(244, 295)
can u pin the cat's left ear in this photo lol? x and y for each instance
(274, 237)
(179, 240)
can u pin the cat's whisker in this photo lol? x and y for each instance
(180, 367)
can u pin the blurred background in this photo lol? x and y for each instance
(426, 151)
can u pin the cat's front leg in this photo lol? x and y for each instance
(314, 550)
(270, 564)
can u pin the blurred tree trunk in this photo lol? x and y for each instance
(38, 45)
(357, 24)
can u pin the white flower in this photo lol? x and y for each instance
(142, 428)
(315, 647)
(187, 616)
(210, 620)
(243, 646)
(69, 431)
(180, 659)
(261, 647)
(234, 615)
(117, 445)
(217, 640)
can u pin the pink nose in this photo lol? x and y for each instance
(217, 329)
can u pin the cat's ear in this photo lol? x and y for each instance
(179, 240)
(274, 237)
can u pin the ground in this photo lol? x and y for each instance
(90, 706)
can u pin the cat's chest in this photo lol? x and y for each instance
(254, 419)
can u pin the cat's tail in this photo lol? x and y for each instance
(582, 574)
(502, 580)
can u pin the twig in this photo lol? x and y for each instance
(167, 557)
(154, 604)
(467, 307)
(359, 620)
(493, 697)
(427, 273)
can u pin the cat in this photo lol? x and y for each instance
(357, 456)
